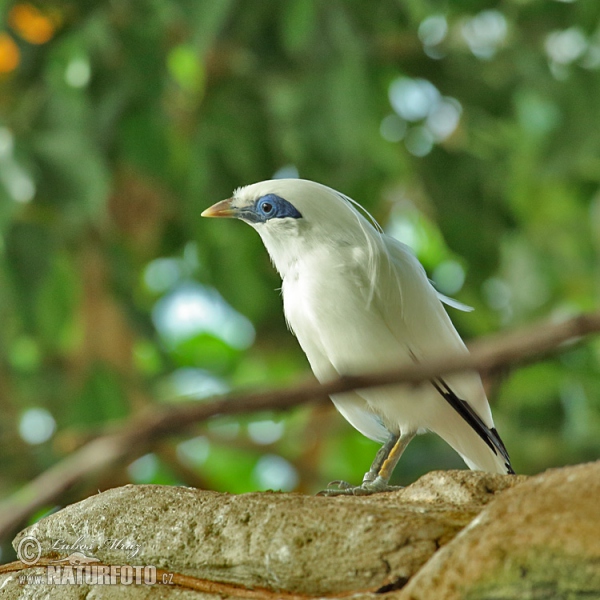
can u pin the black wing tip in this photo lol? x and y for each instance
(464, 409)
(504, 451)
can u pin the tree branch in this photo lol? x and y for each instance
(139, 433)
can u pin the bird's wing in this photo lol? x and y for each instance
(454, 303)
(412, 310)
(410, 305)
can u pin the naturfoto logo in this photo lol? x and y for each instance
(81, 567)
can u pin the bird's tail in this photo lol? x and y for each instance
(481, 458)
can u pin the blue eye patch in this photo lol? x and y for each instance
(269, 207)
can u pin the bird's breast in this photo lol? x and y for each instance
(320, 290)
(327, 303)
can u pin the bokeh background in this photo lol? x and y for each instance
(469, 128)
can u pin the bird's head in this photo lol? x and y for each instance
(294, 217)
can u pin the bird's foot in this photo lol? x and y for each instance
(343, 487)
(375, 486)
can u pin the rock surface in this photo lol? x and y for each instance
(543, 534)
(539, 540)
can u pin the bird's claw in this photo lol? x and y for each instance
(376, 486)
(341, 484)
(342, 488)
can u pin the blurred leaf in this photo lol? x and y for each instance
(101, 400)
(206, 351)
(144, 143)
(29, 250)
(83, 189)
(185, 67)
(56, 304)
(298, 24)
(230, 469)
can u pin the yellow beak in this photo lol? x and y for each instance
(220, 209)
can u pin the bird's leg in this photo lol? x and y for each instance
(370, 475)
(380, 482)
(377, 477)
(380, 458)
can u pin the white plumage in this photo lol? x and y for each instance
(359, 301)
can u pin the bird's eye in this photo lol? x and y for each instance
(270, 207)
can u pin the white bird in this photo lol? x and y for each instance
(359, 301)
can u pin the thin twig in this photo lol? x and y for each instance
(144, 430)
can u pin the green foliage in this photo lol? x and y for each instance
(118, 131)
